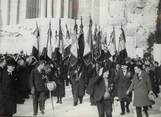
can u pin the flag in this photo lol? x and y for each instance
(122, 53)
(61, 44)
(35, 52)
(98, 47)
(81, 42)
(112, 43)
(37, 35)
(74, 46)
(44, 55)
(49, 43)
(67, 32)
(95, 33)
(88, 53)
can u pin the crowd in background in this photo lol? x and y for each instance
(16, 86)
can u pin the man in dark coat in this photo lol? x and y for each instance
(78, 84)
(123, 80)
(91, 74)
(38, 88)
(59, 92)
(7, 89)
(103, 92)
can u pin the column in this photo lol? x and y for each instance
(18, 12)
(66, 8)
(49, 8)
(13, 14)
(22, 10)
(4, 11)
(58, 8)
(0, 13)
(70, 8)
(53, 6)
(8, 11)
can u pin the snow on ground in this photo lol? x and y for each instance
(81, 110)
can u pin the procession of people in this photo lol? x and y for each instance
(102, 75)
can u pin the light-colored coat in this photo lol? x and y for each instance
(141, 89)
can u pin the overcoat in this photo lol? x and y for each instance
(123, 83)
(99, 88)
(59, 79)
(7, 93)
(37, 82)
(141, 89)
(78, 85)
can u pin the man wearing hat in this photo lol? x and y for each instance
(103, 92)
(7, 88)
(38, 88)
(123, 81)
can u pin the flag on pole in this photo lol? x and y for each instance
(88, 53)
(112, 43)
(81, 42)
(36, 49)
(74, 45)
(61, 44)
(49, 42)
(122, 47)
(67, 32)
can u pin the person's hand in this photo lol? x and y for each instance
(100, 71)
(127, 92)
(32, 91)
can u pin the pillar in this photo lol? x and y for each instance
(13, 13)
(18, 12)
(58, 8)
(66, 8)
(8, 11)
(49, 8)
(22, 10)
(42, 8)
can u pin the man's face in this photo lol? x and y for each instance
(42, 66)
(10, 68)
(106, 74)
(3, 63)
(137, 70)
(124, 68)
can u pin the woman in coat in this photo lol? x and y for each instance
(141, 86)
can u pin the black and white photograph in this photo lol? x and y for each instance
(80, 58)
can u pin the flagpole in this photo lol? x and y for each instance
(48, 38)
(38, 36)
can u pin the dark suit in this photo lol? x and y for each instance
(38, 84)
(123, 83)
(8, 104)
(104, 106)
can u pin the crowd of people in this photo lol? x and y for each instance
(22, 76)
